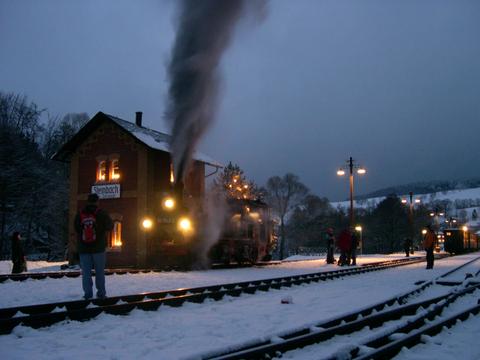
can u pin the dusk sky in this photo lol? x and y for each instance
(394, 84)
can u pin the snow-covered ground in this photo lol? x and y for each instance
(176, 333)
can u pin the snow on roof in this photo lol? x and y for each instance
(157, 140)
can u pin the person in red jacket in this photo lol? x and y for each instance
(344, 243)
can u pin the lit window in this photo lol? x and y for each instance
(102, 171)
(114, 170)
(172, 178)
(116, 235)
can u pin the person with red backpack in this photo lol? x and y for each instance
(92, 225)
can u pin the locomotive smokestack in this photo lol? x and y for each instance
(138, 118)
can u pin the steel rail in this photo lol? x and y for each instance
(46, 314)
(122, 271)
(386, 346)
(373, 316)
(325, 332)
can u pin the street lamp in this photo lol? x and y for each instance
(466, 236)
(411, 201)
(451, 221)
(341, 172)
(435, 215)
(359, 229)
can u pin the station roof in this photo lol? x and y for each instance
(149, 137)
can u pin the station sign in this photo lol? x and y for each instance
(107, 191)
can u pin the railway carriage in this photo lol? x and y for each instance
(459, 241)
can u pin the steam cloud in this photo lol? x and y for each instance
(204, 30)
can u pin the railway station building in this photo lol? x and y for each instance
(130, 168)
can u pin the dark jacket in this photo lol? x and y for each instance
(18, 256)
(103, 225)
(345, 241)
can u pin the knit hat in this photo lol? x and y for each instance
(92, 198)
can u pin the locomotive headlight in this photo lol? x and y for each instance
(185, 225)
(147, 223)
(168, 203)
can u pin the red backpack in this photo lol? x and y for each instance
(88, 222)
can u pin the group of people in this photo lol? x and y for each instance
(347, 243)
(93, 223)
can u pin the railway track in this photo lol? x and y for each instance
(77, 273)
(47, 314)
(411, 321)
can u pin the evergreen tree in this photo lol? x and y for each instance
(233, 182)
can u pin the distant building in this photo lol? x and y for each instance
(130, 168)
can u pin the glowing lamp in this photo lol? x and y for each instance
(432, 214)
(424, 231)
(358, 228)
(361, 171)
(441, 214)
(417, 201)
(147, 224)
(465, 228)
(168, 203)
(340, 172)
(404, 201)
(185, 225)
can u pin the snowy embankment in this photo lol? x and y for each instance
(452, 195)
(173, 333)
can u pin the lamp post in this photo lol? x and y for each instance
(466, 235)
(451, 222)
(411, 203)
(359, 229)
(435, 215)
(341, 172)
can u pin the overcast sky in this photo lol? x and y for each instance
(395, 84)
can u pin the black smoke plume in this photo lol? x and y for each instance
(204, 30)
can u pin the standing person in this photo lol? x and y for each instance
(330, 239)
(18, 256)
(407, 245)
(354, 245)
(91, 225)
(428, 245)
(344, 244)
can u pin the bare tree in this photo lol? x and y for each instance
(284, 194)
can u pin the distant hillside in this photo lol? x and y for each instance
(451, 199)
(424, 187)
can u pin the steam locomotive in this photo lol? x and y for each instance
(176, 233)
(459, 241)
(247, 234)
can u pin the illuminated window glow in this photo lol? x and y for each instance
(114, 170)
(172, 177)
(116, 235)
(102, 171)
